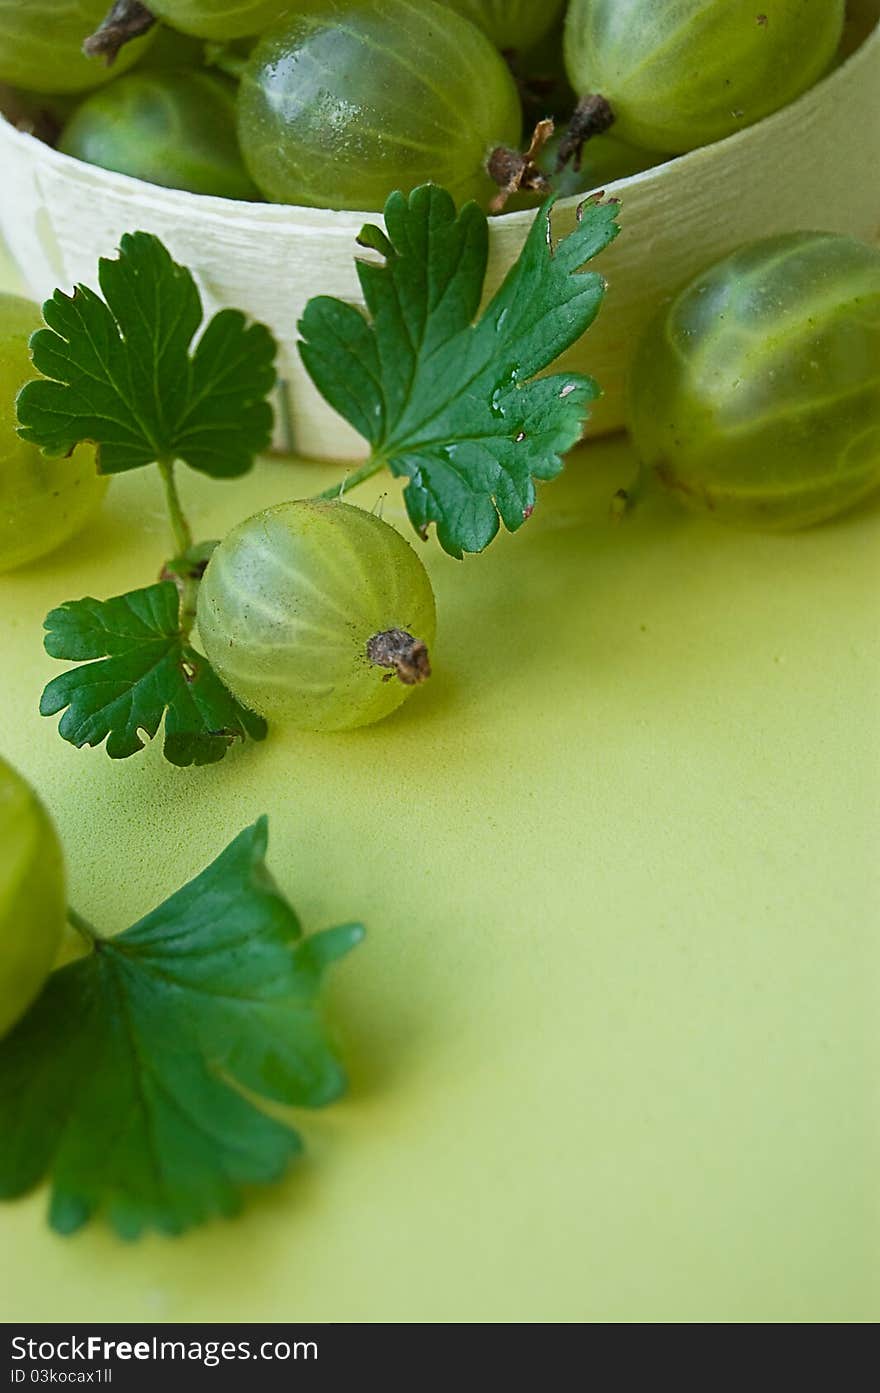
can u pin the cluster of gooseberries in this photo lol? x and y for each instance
(755, 396)
(335, 103)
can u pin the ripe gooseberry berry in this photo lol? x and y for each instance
(318, 615)
(681, 75)
(341, 103)
(43, 501)
(175, 128)
(32, 895)
(755, 394)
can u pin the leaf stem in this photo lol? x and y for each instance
(374, 465)
(180, 527)
(126, 20)
(83, 927)
(188, 603)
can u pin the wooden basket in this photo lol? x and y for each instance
(813, 165)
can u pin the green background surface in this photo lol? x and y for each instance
(613, 1036)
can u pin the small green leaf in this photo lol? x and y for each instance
(138, 667)
(448, 403)
(126, 1079)
(119, 371)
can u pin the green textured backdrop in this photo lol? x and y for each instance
(614, 1035)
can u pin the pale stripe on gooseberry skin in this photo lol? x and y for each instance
(685, 73)
(289, 602)
(219, 19)
(340, 104)
(267, 626)
(756, 394)
(781, 331)
(397, 114)
(265, 554)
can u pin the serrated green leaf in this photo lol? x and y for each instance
(138, 666)
(448, 403)
(125, 1080)
(118, 371)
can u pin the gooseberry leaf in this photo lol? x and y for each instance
(126, 1080)
(118, 371)
(446, 402)
(137, 665)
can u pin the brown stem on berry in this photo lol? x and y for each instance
(126, 20)
(403, 654)
(592, 116)
(513, 170)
